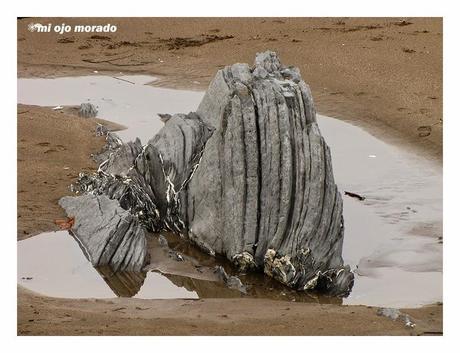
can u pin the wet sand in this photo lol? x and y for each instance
(53, 147)
(41, 315)
(383, 72)
(397, 248)
(38, 315)
(387, 76)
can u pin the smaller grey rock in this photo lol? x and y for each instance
(176, 256)
(87, 110)
(221, 274)
(395, 314)
(108, 234)
(232, 282)
(101, 130)
(391, 313)
(162, 241)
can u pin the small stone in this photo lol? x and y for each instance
(162, 241)
(87, 110)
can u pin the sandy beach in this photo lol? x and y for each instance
(53, 147)
(40, 315)
(383, 74)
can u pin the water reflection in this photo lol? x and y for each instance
(391, 238)
(54, 265)
(122, 283)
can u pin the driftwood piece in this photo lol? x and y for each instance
(356, 196)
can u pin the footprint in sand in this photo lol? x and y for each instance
(424, 110)
(424, 131)
(66, 40)
(50, 150)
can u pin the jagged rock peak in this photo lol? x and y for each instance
(269, 61)
(269, 201)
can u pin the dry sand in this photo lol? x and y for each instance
(38, 315)
(53, 147)
(384, 73)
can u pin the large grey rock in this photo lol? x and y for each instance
(108, 235)
(248, 176)
(264, 194)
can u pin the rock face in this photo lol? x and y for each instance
(269, 200)
(247, 176)
(108, 235)
(151, 181)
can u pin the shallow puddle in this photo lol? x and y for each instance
(394, 235)
(126, 100)
(392, 238)
(53, 264)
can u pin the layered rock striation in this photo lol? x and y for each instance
(247, 176)
(107, 234)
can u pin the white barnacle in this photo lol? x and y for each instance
(270, 254)
(305, 251)
(243, 260)
(311, 283)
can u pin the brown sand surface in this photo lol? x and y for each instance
(384, 73)
(53, 147)
(387, 75)
(38, 315)
(42, 180)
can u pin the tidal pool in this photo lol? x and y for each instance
(392, 238)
